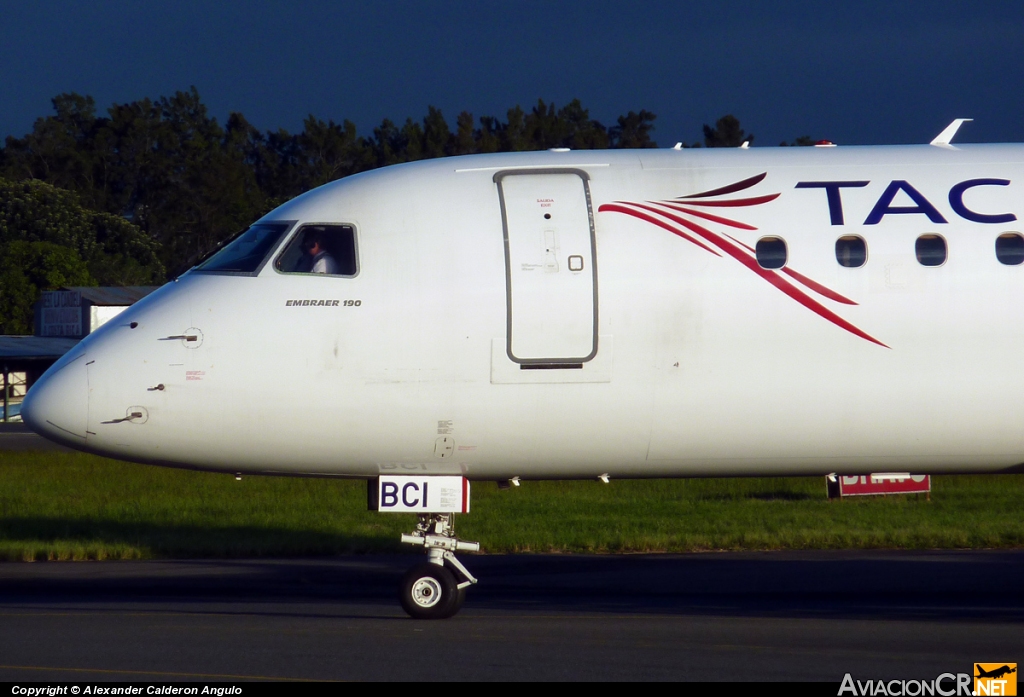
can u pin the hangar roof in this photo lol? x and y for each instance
(111, 295)
(35, 348)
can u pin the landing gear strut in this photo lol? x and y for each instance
(435, 589)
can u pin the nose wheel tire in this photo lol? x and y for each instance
(430, 592)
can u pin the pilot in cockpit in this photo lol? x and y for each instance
(317, 259)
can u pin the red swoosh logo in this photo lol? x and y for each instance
(666, 215)
(813, 285)
(731, 188)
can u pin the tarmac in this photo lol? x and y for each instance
(770, 616)
(16, 436)
(787, 616)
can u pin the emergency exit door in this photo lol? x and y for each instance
(550, 266)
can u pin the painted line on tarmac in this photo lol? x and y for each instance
(198, 613)
(105, 671)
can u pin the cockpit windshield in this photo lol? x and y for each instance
(246, 253)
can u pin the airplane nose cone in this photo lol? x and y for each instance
(57, 407)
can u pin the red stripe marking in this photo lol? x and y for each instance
(731, 188)
(742, 244)
(706, 216)
(620, 208)
(753, 201)
(813, 285)
(465, 495)
(768, 275)
(779, 282)
(817, 287)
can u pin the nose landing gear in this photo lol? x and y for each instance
(435, 589)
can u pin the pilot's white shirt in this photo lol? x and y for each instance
(325, 263)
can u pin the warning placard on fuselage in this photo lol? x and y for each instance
(421, 494)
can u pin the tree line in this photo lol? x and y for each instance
(143, 191)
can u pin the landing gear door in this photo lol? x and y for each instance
(550, 266)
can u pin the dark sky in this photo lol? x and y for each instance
(872, 71)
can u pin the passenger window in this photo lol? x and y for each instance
(320, 249)
(1010, 249)
(851, 251)
(771, 252)
(931, 250)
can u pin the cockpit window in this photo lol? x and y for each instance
(247, 252)
(321, 249)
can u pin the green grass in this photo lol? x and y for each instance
(75, 506)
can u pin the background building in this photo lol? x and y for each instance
(62, 318)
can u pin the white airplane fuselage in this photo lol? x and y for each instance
(631, 333)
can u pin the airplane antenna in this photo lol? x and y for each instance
(678, 146)
(944, 138)
(746, 145)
